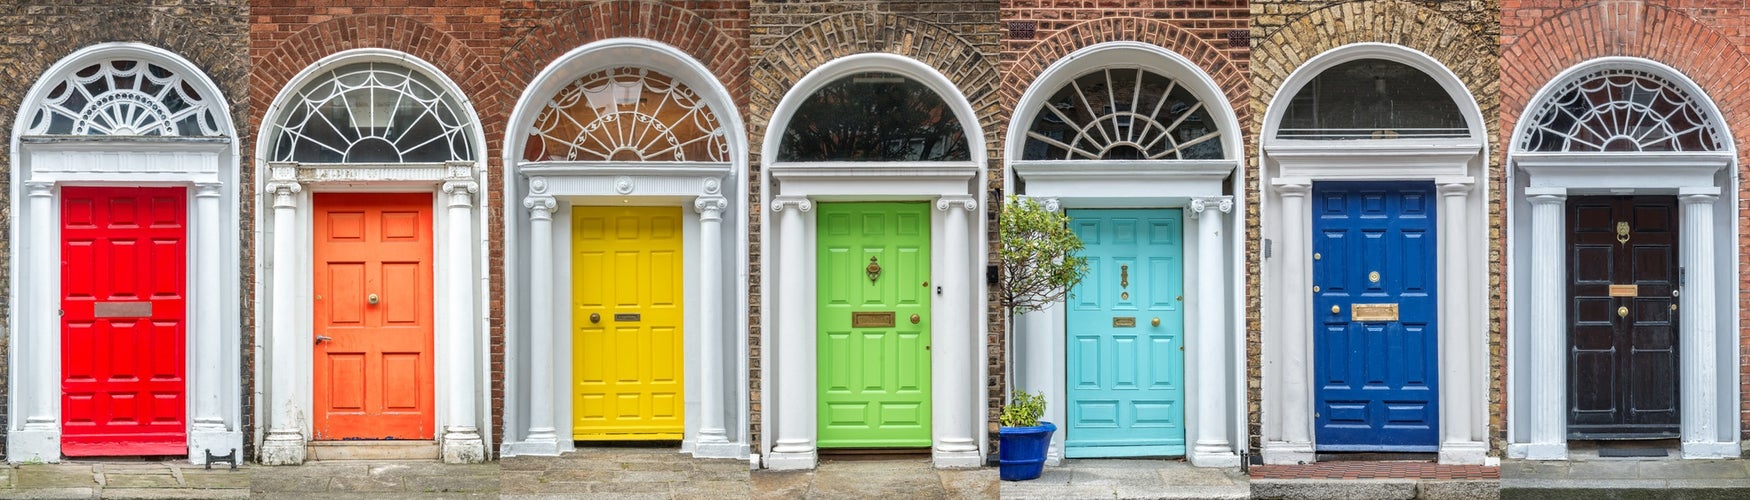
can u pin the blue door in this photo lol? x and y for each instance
(1126, 359)
(1374, 316)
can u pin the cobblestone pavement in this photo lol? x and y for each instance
(376, 480)
(624, 472)
(909, 478)
(122, 480)
(1139, 478)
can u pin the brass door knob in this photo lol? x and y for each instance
(1622, 312)
(372, 299)
(1336, 310)
(323, 338)
(1154, 322)
(914, 319)
(595, 317)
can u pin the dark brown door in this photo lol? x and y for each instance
(1622, 346)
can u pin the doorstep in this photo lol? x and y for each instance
(1375, 480)
(1588, 476)
(373, 450)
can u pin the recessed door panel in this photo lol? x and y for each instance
(1126, 370)
(1374, 281)
(873, 315)
(373, 322)
(1622, 341)
(628, 338)
(124, 258)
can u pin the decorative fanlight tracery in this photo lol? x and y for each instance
(1123, 114)
(125, 97)
(373, 113)
(627, 114)
(1620, 110)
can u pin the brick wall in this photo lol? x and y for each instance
(461, 38)
(790, 38)
(1707, 41)
(211, 34)
(1462, 35)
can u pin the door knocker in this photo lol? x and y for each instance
(874, 270)
(1622, 232)
(1124, 276)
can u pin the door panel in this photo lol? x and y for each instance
(1126, 390)
(874, 373)
(373, 378)
(1622, 347)
(1374, 246)
(123, 296)
(627, 361)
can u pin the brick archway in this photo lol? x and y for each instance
(701, 37)
(1229, 77)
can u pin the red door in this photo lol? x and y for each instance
(123, 277)
(373, 377)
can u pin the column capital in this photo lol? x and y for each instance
(710, 208)
(1698, 199)
(285, 193)
(1292, 189)
(1049, 204)
(1455, 189)
(1220, 204)
(39, 188)
(800, 203)
(540, 207)
(1545, 198)
(461, 191)
(207, 189)
(952, 201)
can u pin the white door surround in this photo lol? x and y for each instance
(956, 190)
(1288, 168)
(1215, 364)
(538, 406)
(206, 163)
(285, 275)
(1705, 184)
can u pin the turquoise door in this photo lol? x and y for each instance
(1125, 336)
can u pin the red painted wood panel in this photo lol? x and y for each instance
(124, 256)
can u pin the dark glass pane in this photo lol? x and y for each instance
(1123, 114)
(1618, 111)
(1372, 99)
(874, 116)
(372, 113)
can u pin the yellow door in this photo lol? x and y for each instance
(626, 306)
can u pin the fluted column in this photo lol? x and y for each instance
(1701, 432)
(792, 373)
(953, 339)
(208, 380)
(1549, 386)
(543, 436)
(1292, 343)
(462, 442)
(43, 385)
(713, 434)
(1211, 446)
(284, 444)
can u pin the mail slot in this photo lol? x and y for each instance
(876, 319)
(628, 317)
(1123, 322)
(1625, 290)
(121, 310)
(1373, 312)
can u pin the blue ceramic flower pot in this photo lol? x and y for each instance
(1022, 451)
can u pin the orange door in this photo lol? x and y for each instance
(373, 316)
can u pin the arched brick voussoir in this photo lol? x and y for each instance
(698, 36)
(449, 54)
(1464, 51)
(1032, 63)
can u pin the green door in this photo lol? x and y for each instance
(874, 321)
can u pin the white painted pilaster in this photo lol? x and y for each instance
(1210, 448)
(713, 435)
(1701, 436)
(284, 444)
(1459, 442)
(542, 438)
(793, 370)
(38, 370)
(1039, 345)
(210, 431)
(956, 442)
(1549, 293)
(461, 440)
(1292, 340)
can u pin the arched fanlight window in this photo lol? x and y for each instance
(1372, 99)
(1123, 114)
(627, 114)
(874, 116)
(372, 113)
(1620, 110)
(125, 97)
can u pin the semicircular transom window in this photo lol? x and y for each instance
(1372, 99)
(627, 114)
(1620, 110)
(125, 97)
(1123, 114)
(373, 113)
(874, 116)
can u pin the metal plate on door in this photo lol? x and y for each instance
(121, 310)
(877, 319)
(1625, 290)
(1373, 312)
(1123, 322)
(628, 317)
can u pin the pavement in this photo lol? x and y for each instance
(1376, 479)
(121, 480)
(910, 478)
(1130, 478)
(623, 472)
(375, 480)
(1625, 478)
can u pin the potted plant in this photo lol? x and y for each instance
(1038, 267)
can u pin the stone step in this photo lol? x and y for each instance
(1653, 489)
(372, 450)
(1375, 489)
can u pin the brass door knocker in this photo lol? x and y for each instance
(1622, 232)
(874, 270)
(1124, 276)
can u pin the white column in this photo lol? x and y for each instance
(791, 372)
(1699, 390)
(39, 367)
(1039, 346)
(1211, 447)
(1458, 382)
(462, 442)
(208, 382)
(542, 435)
(713, 434)
(284, 444)
(1549, 330)
(953, 362)
(1292, 342)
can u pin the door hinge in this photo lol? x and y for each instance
(1266, 248)
(1682, 276)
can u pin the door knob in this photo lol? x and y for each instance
(1622, 312)
(914, 319)
(595, 317)
(1154, 322)
(372, 299)
(1335, 309)
(323, 338)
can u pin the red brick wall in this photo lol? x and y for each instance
(1707, 41)
(460, 37)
